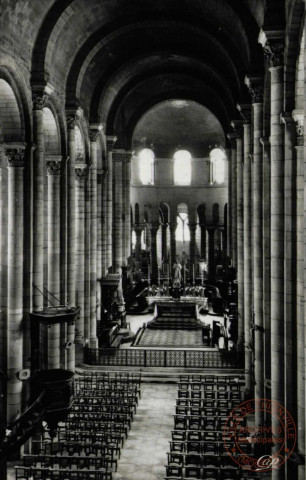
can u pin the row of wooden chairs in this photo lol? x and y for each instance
(88, 444)
(66, 461)
(202, 378)
(210, 394)
(199, 448)
(204, 402)
(41, 473)
(211, 386)
(196, 472)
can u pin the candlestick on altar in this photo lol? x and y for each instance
(184, 276)
(168, 274)
(193, 275)
(158, 276)
(149, 276)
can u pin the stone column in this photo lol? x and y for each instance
(211, 253)
(164, 242)
(54, 175)
(240, 243)
(110, 142)
(118, 163)
(257, 213)
(233, 198)
(71, 285)
(274, 51)
(238, 198)
(229, 204)
(81, 172)
(192, 248)
(203, 241)
(245, 112)
(39, 101)
(104, 222)
(172, 227)
(138, 231)
(94, 132)
(300, 326)
(154, 266)
(15, 158)
(290, 258)
(266, 256)
(126, 188)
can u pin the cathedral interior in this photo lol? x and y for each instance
(152, 239)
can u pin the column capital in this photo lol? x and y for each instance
(15, 157)
(254, 84)
(54, 165)
(110, 142)
(232, 136)
(272, 42)
(298, 117)
(72, 117)
(39, 100)
(81, 171)
(95, 130)
(245, 112)
(138, 228)
(154, 227)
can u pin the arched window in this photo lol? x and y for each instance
(182, 167)
(146, 166)
(217, 164)
(182, 230)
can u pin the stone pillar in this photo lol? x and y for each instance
(15, 158)
(203, 241)
(290, 259)
(127, 205)
(154, 266)
(257, 213)
(39, 101)
(233, 198)
(118, 163)
(274, 51)
(192, 249)
(266, 256)
(300, 326)
(54, 175)
(245, 112)
(240, 243)
(229, 204)
(104, 222)
(81, 172)
(164, 242)
(172, 227)
(71, 285)
(211, 254)
(94, 132)
(110, 142)
(138, 231)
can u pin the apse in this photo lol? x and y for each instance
(178, 124)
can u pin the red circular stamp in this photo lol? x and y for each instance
(264, 447)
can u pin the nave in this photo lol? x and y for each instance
(150, 429)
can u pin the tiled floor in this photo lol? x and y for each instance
(171, 338)
(144, 453)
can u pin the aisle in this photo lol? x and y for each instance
(143, 456)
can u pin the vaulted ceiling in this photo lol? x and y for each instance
(118, 58)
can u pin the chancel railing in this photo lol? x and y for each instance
(163, 358)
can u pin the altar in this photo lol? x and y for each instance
(201, 302)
